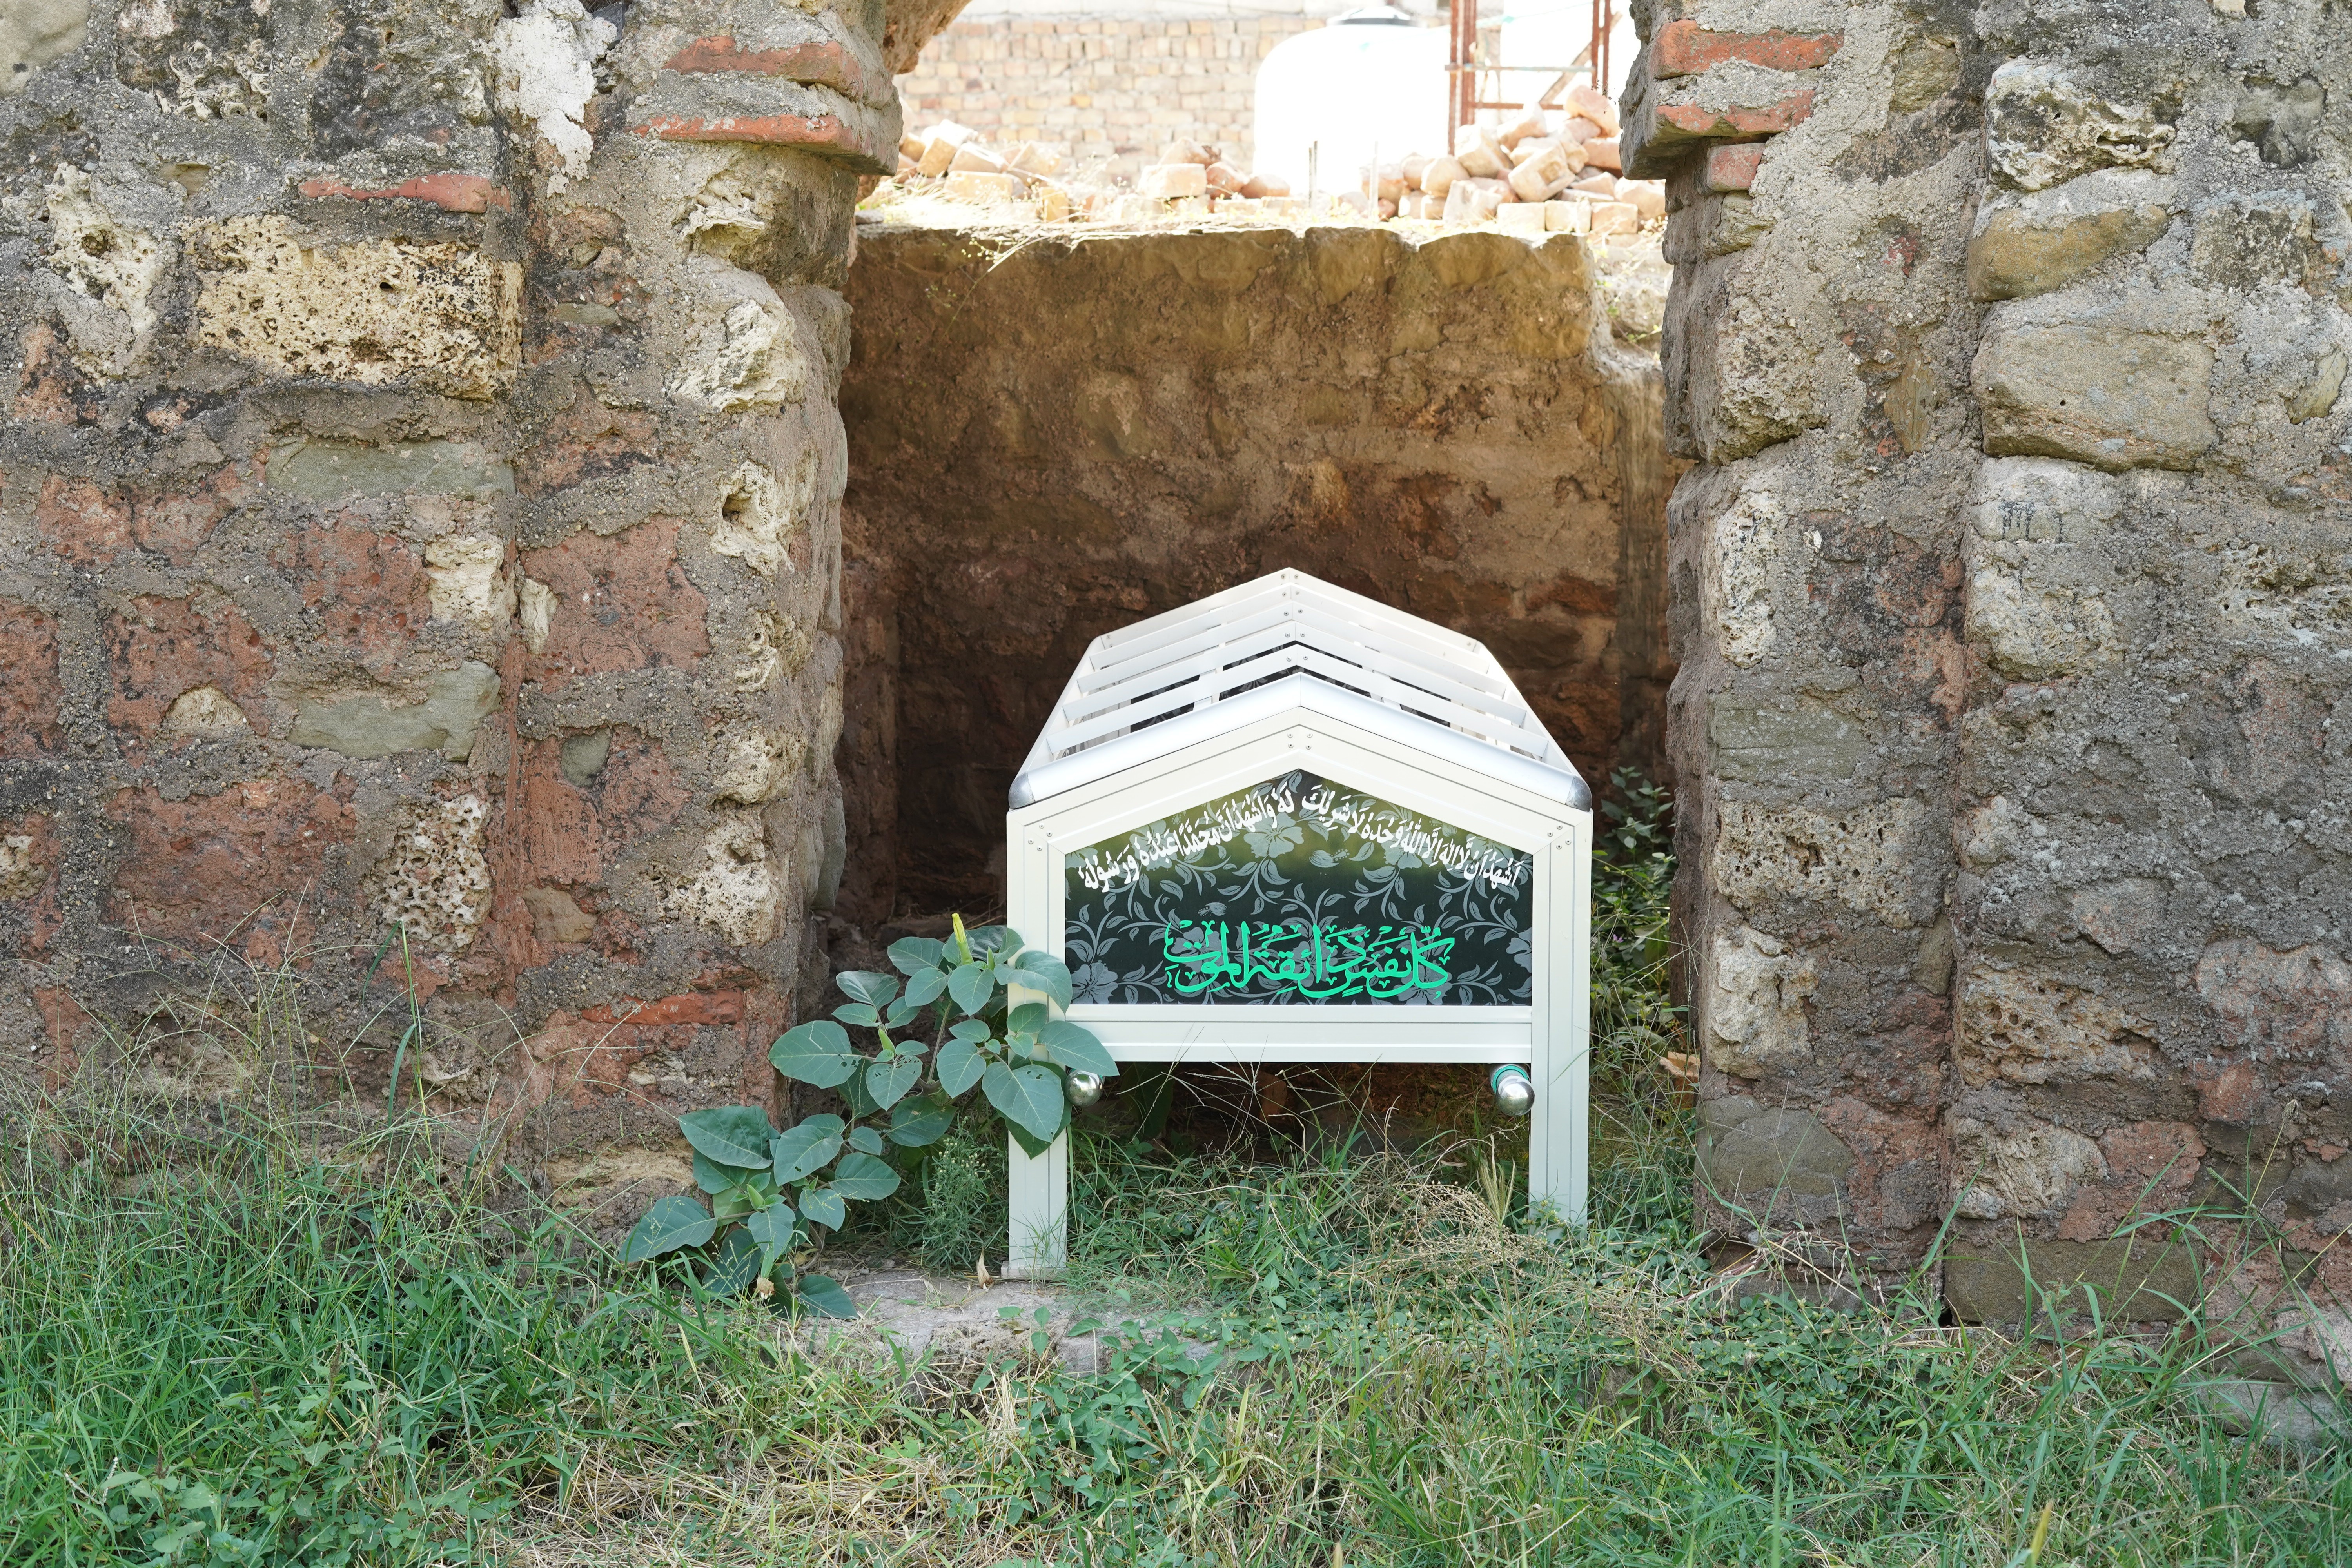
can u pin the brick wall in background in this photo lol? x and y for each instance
(1109, 92)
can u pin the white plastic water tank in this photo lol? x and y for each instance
(1369, 82)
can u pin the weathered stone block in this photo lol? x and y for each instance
(2111, 395)
(2027, 1170)
(2034, 616)
(2049, 238)
(2042, 126)
(456, 702)
(2018, 1024)
(372, 312)
(1751, 1151)
(2037, 500)
(1873, 859)
(329, 471)
(434, 884)
(2137, 1281)
(1754, 1009)
(1758, 744)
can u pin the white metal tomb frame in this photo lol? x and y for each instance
(1403, 729)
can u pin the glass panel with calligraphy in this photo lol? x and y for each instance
(1299, 890)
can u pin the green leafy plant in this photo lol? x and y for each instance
(950, 1026)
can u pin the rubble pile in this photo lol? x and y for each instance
(1547, 170)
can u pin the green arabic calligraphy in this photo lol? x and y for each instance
(1306, 957)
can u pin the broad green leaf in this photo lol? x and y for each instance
(869, 986)
(861, 1103)
(862, 1178)
(866, 1141)
(1027, 1018)
(918, 1123)
(890, 1083)
(713, 1177)
(733, 1135)
(924, 989)
(1045, 972)
(859, 1014)
(904, 1011)
(972, 986)
(825, 1207)
(1029, 1097)
(816, 1053)
(993, 941)
(806, 1149)
(825, 1297)
(960, 1065)
(912, 955)
(1066, 1044)
(973, 1029)
(1034, 1147)
(773, 1229)
(737, 1201)
(670, 1224)
(737, 1265)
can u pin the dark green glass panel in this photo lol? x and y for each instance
(1300, 890)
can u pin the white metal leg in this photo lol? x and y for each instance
(1040, 1195)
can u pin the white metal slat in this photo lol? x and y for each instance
(1229, 659)
(1412, 700)
(1179, 667)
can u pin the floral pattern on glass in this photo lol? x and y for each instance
(1300, 890)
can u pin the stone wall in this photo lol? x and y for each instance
(1107, 91)
(2014, 600)
(1052, 435)
(420, 513)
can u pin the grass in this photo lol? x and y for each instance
(228, 1339)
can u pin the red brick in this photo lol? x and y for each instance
(30, 896)
(368, 593)
(449, 190)
(1737, 122)
(694, 1007)
(587, 441)
(210, 868)
(563, 841)
(165, 647)
(64, 1022)
(2233, 1096)
(30, 693)
(1686, 49)
(1733, 167)
(173, 521)
(51, 388)
(622, 602)
(811, 65)
(639, 791)
(83, 522)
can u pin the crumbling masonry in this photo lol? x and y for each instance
(421, 503)
(2014, 600)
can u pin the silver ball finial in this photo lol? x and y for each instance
(1085, 1087)
(1514, 1094)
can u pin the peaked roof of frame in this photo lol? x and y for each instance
(1288, 640)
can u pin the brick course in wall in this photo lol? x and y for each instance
(1107, 93)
